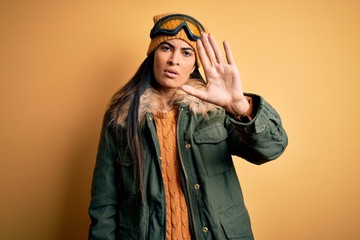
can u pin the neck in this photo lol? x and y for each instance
(166, 100)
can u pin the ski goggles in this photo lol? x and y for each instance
(171, 25)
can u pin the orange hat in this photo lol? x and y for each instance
(158, 39)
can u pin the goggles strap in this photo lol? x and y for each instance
(157, 30)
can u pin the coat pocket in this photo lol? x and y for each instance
(126, 233)
(212, 134)
(127, 182)
(235, 222)
(213, 148)
(133, 218)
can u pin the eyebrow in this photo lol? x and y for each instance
(172, 46)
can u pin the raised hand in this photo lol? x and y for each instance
(223, 79)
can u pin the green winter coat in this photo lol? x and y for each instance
(207, 137)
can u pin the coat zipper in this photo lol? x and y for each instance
(186, 178)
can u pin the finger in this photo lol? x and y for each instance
(229, 56)
(202, 55)
(208, 48)
(216, 49)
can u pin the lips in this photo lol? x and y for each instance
(172, 73)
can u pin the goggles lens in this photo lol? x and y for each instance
(172, 25)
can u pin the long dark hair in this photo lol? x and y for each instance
(131, 93)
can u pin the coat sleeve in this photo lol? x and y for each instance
(102, 209)
(262, 139)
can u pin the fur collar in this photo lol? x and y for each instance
(150, 101)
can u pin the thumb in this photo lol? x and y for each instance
(194, 92)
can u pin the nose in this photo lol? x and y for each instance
(174, 59)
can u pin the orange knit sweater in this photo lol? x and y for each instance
(177, 219)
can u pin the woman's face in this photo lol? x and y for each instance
(174, 61)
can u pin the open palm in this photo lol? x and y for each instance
(223, 79)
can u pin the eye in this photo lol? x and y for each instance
(165, 48)
(187, 53)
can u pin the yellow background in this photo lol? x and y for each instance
(60, 61)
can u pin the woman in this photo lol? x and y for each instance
(164, 168)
